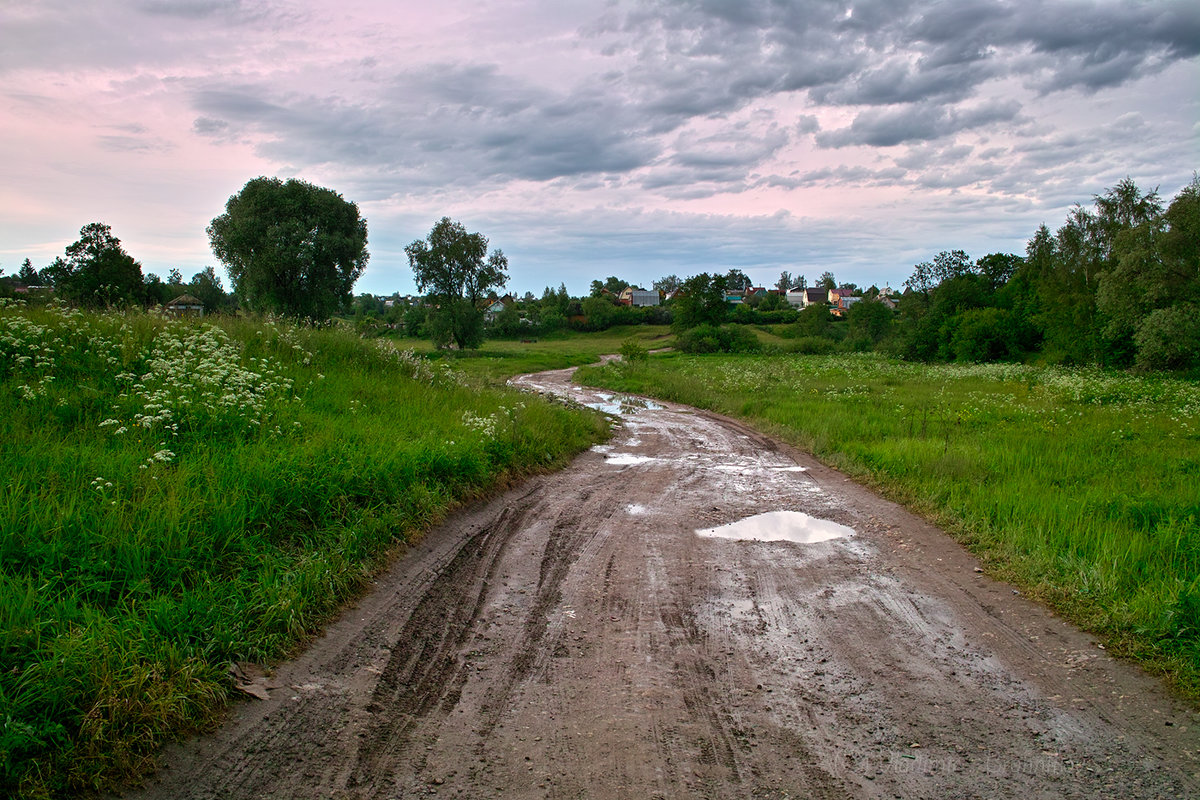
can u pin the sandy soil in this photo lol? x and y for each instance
(577, 638)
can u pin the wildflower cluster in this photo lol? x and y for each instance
(503, 419)
(33, 350)
(193, 381)
(416, 367)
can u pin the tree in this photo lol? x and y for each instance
(737, 281)
(97, 272)
(1156, 271)
(612, 284)
(292, 248)
(998, 268)
(207, 288)
(785, 281)
(945, 265)
(868, 322)
(702, 301)
(667, 284)
(774, 301)
(814, 320)
(157, 293)
(27, 274)
(826, 281)
(457, 271)
(599, 312)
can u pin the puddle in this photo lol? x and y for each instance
(621, 404)
(635, 509)
(626, 459)
(780, 526)
(789, 469)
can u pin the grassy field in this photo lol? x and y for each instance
(1081, 486)
(178, 496)
(500, 359)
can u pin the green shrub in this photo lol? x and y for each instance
(723, 339)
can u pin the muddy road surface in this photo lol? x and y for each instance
(578, 638)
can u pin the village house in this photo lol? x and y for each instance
(643, 298)
(496, 307)
(814, 295)
(185, 306)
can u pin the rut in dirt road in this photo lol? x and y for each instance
(577, 638)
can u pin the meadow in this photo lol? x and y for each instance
(500, 359)
(1081, 486)
(180, 496)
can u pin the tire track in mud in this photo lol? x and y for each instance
(426, 673)
(575, 638)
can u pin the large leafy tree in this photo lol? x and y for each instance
(456, 270)
(206, 287)
(702, 302)
(291, 247)
(96, 271)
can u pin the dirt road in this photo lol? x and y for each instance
(577, 638)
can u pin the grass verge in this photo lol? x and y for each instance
(180, 495)
(1078, 485)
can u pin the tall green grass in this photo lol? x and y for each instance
(1081, 486)
(180, 495)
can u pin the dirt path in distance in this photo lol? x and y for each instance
(576, 638)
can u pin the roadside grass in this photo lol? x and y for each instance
(1080, 486)
(183, 495)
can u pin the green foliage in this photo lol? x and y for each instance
(869, 321)
(456, 269)
(718, 339)
(1078, 484)
(1169, 338)
(701, 303)
(612, 285)
(97, 272)
(814, 320)
(633, 352)
(291, 248)
(207, 288)
(600, 312)
(179, 495)
(508, 322)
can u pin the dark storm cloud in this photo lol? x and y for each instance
(439, 126)
(889, 53)
(914, 72)
(924, 122)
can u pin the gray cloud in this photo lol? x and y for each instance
(444, 124)
(893, 126)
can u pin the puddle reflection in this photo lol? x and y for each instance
(780, 526)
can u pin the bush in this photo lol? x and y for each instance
(1169, 338)
(723, 339)
(634, 353)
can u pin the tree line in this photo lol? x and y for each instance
(1118, 284)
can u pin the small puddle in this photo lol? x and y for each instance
(780, 526)
(625, 459)
(619, 405)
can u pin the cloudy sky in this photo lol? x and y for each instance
(589, 139)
